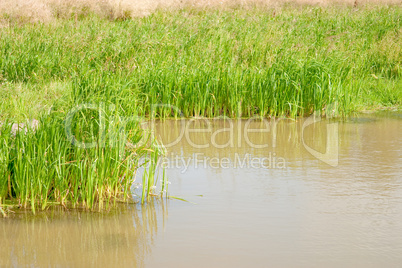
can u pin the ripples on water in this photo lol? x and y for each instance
(303, 214)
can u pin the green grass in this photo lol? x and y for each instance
(44, 167)
(211, 63)
(236, 63)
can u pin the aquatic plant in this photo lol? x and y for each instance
(88, 163)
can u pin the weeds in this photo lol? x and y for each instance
(76, 168)
(239, 62)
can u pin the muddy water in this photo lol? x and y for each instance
(281, 193)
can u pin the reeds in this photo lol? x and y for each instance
(76, 162)
(187, 62)
(212, 63)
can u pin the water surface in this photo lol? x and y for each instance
(286, 194)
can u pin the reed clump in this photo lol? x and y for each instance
(81, 161)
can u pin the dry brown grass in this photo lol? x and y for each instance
(46, 10)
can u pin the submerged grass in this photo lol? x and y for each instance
(189, 62)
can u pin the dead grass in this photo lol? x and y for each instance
(47, 10)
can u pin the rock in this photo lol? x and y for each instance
(32, 124)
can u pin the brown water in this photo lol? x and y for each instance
(301, 194)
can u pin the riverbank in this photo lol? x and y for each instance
(210, 63)
(103, 74)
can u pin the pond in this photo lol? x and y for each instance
(272, 193)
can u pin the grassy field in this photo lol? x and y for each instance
(236, 62)
(207, 63)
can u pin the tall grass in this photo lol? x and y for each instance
(186, 62)
(211, 63)
(84, 166)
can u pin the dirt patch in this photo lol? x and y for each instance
(46, 10)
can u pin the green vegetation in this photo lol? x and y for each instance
(240, 62)
(211, 63)
(73, 168)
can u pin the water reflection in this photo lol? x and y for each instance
(307, 213)
(290, 139)
(122, 237)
